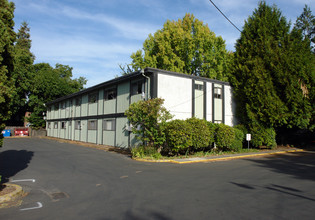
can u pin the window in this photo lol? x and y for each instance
(217, 93)
(137, 88)
(92, 125)
(56, 125)
(199, 87)
(93, 97)
(56, 106)
(63, 125)
(48, 124)
(63, 105)
(110, 94)
(78, 101)
(109, 124)
(77, 125)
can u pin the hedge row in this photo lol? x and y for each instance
(197, 134)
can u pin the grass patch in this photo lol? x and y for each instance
(151, 153)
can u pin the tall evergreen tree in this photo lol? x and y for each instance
(306, 23)
(272, 72)
(7, 38)
(187, 46)
(23, 67)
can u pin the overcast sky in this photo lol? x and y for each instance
(95, 36)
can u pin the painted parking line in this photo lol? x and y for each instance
(39, 205)
(24, 180)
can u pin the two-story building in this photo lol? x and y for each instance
(96, 114)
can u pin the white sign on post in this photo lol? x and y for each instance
(248, 137)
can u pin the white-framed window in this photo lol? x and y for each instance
(56, 125)
(63, 125)
(137, 88)
(93, 97)
(110, 94)
(217, 92)
(49, 125)
(92, 125)
(109, 125)
(77, 125)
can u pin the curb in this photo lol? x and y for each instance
(12, 195)
(202, 160)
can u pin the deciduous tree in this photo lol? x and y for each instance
(187, 46)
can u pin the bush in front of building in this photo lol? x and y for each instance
(178, 136)
(201, 133)
(225, 136)
(148, 119)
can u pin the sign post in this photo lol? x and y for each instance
(248, 138)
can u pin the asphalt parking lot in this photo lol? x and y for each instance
(68, 181)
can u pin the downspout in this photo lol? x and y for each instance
(147, 82)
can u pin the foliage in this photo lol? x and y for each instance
(7, 37)
(50, 83)
(237, 144)
(148, 120)
(225, 136)
(306, 23)
(201, 135)
(143, 151)
(178, 135)
(273, 72)
(262, 136)
(187, 46)
(23, 67)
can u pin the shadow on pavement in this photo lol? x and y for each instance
(300, 165)
(12, 162)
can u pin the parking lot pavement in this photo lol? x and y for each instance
(76, 182)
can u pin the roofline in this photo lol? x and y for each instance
(132, 75)
(183, 75)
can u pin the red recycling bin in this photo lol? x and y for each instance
(21, 132)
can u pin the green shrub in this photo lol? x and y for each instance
(225, 136)
(178, 135)
(242, 128)
(149, 119)
(201, 136)
(237, 144)
(145, 151)
(263, 136)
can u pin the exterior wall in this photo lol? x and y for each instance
(177, 94)
(230, 107)
(123, 95)
(122, 135)
(209, 115)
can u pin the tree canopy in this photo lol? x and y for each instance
(273, 72)
(7, 38)
(25, 86)
(187, 46)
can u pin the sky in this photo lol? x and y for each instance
(95, 36)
